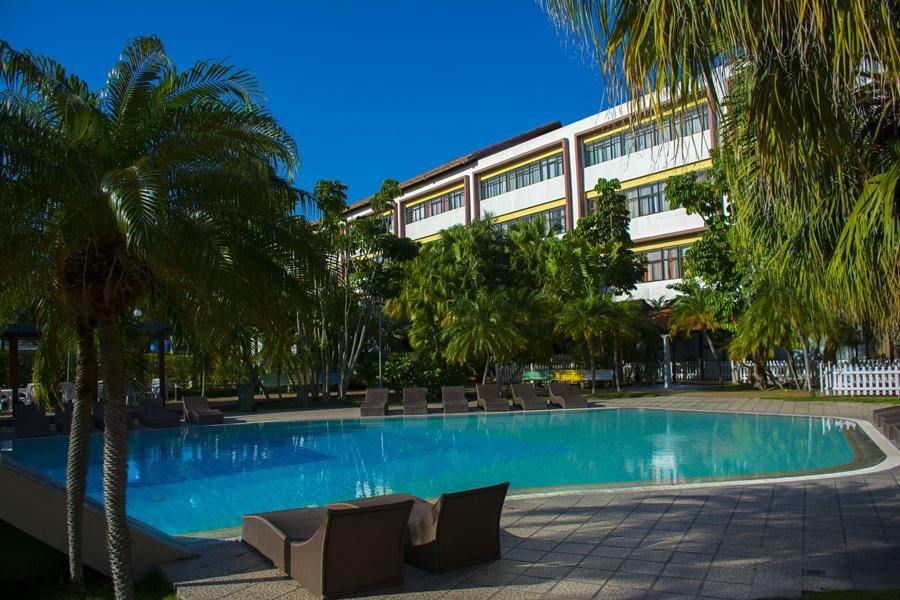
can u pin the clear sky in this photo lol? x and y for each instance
(369, 89)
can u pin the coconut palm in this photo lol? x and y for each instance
(482, 328)
(166, 186)
(694, 310)
(589, 319)
(812, 118)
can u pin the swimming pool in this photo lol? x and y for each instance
(196, 479)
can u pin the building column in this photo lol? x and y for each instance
(161, 366)
(467, 194)
(397, 219)
(401, 220)
(580, 201)
(14, 370)
(476, 206)
(567, 175)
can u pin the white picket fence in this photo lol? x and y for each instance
(868, 378)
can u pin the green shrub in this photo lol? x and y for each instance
(418, 370)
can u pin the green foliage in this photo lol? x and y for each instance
(810, 129)
(416, 369)
(597, 254)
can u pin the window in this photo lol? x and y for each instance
(529, 174)
(554, 217)
(387, 222)
(645, 136)
(665, 263)
(435, 206)
(647, 199)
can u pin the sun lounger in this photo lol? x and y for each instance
(97, 415)
(197, 410)
(489, 398)
(524, 397)
(415, 401)
(152, 413)
(336, 550)
(62, 418)
(376, 403)
(453, 397)
(459, 529)
(31, 420)
(880, 415)
(562, 394)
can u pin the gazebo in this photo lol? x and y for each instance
(12, 333)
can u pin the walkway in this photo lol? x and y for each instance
(721, 541)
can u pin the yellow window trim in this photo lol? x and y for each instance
(530, 210)
(429, 238)
(620, 128)
(527, 161)
(659, 176)
(669, 243)
(418, 201)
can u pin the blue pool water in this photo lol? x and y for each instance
(196, 479)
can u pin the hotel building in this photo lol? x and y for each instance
(551, 171)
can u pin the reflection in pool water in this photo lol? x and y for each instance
(195, 479)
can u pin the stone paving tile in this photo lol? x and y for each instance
(726, 542)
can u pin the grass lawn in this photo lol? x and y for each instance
(746, 391)
(615, 395)
(854, 595)
(31, 569)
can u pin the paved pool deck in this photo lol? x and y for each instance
(756, 540)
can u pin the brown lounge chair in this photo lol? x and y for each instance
(415, 401)
(336, 550)
(524, 397)
(31, 420)
(152, 413)
(376, 403)
(489, 398)
(459, 529)
(453, 397)
(197, 410)
(562, 394)
(881, 415)
(97, 415)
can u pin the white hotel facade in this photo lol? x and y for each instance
(551, 171)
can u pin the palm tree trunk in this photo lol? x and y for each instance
(487, 364)
(593, 373)
(616, 364)
(712, 350)
(115, 457)
(807, 366)
(78, 456)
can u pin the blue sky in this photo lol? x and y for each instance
(369, 89)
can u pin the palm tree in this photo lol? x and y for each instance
(590, 319)
(166, 186)
(483, 327)
(798, 71)
(694, 311)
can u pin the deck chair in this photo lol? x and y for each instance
(31, 420)
(415, 401)
(197, 410)
(152, 413)
(524, 397)
(453, 397)
(336, 550)
(490, 399)
(459, 529)
(375, 404)
(562, 394)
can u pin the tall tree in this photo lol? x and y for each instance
(798, 71)
(166, 184)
